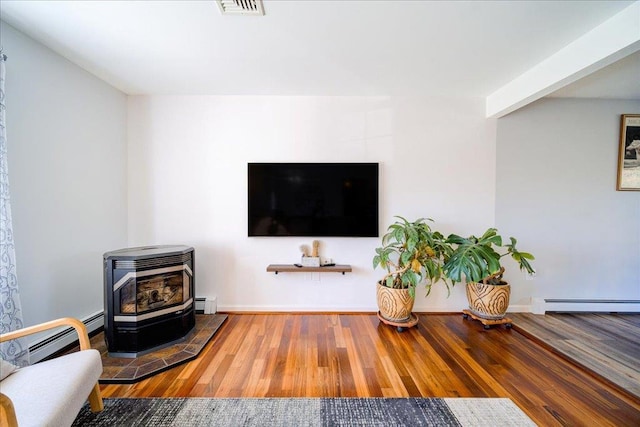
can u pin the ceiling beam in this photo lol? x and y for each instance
(607, 43)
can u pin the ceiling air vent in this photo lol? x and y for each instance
(241, 7)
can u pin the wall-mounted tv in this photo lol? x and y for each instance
(313, 199)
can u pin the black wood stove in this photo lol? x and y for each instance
(149, 298)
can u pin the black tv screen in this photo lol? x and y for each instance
(313, 199)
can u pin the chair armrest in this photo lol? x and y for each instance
(7, 412)
(81, 330)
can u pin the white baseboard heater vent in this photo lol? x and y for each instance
(57, 341)
(200, 302)
(592, 305)
(53, 343)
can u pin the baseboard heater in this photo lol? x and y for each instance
(55, 342)
(206, 305)
(591, 305)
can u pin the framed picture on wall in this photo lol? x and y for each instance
(629, 153)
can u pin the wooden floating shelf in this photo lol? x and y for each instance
(290, 268)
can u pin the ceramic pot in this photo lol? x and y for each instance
(395, 305)
(488, 301)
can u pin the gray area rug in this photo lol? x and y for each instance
(309, 412)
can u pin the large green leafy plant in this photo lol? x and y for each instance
(478, 259)
(411, 253)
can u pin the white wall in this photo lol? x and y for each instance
(85, 179)
(66, 133)
(187, 185)
(556, 193)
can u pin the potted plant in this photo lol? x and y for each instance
(478, 259)
(411, 253)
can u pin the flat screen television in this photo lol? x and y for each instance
(313, 199)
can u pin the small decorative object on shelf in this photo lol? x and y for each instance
(310, 261)
(314, 259)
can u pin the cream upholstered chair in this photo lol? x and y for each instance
(52, 392)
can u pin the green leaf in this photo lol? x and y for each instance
(389, 282)
(428, 287)
(411, 244)
(455, 239)
(473, 258)
(525, 265)
(405, 258)
(526, 255)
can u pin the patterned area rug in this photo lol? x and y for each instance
(310, 412)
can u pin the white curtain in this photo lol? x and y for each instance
(14, 351)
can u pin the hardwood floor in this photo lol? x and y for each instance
(606, 344)
(313, 355)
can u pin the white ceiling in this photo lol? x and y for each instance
(322, 47)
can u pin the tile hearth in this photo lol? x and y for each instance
(123, 370)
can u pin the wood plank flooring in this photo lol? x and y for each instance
(315, 355)
(606, 344)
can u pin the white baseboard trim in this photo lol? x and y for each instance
(594, 305)
(520, 308)
(56, 341)
(289, 309)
